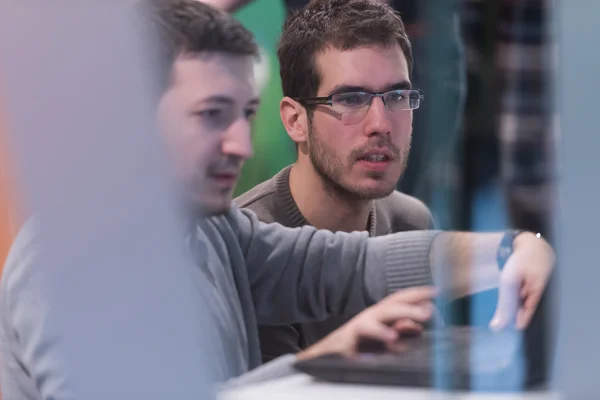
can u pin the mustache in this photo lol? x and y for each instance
(380, 142)
(229, 164)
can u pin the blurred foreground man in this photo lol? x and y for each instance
(255, 273)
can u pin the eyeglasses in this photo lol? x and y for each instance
(353, 106)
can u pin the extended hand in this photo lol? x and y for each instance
(522, 281)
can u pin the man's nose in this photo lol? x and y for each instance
(377, 120)
(238, 140)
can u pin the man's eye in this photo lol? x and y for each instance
(250, 113)
(397, 96)
(351, 100)
(210, 113)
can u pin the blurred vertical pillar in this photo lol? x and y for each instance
(443, 80)
(107, 305)
(440, 172)
(576, 26)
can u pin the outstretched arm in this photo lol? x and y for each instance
(320, 273)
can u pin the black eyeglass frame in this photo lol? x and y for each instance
(313, 101)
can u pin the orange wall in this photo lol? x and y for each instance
(8, 218)
(8, 224)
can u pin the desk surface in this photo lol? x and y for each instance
(303, 387)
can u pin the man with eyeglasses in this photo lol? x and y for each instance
(345, 68)
(349, 108)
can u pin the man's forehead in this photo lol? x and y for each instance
(215, 75)
(371, 67)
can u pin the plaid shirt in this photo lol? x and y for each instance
(526, 119)
(516, 66)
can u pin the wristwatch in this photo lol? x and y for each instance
(506, 247)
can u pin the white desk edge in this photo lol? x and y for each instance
(301, 386)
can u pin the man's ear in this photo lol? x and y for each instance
(294, 119)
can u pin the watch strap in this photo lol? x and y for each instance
(505, 249)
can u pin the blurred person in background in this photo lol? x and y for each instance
(511, 55)
(256, 273)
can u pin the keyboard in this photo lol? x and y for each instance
(461, 348)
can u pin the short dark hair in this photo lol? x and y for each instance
(190, 26)
(343, 24)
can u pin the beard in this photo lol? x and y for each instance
(331, 169)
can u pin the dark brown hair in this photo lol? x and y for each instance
(190, 26)
(343, 24)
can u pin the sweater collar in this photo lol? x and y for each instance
(292, 212)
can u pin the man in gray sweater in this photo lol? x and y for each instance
(345, 67)
(351, 150)
(249, 272)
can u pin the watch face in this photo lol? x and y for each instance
(504, 252)
(506, 247)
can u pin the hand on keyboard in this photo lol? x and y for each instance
(401, 313)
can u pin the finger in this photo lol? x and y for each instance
(396, 347)
(393, 312)
(413, 295)
(374, 329)
(508, 304)
(526, 311)
(407, 328)
(426, 303)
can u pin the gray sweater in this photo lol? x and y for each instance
(272, 201)
(249, 272)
